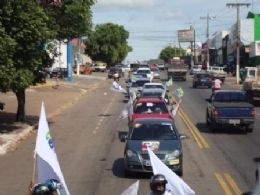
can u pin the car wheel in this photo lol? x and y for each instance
(207, 119)
(249, 128)
(127, 173)
(180, 172)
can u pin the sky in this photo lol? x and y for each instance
(153, 24)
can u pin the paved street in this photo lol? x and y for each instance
(55, 98)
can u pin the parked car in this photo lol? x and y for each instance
(202, 79)
(59, 73)
(99, 66)
(163, 138)
(112, 70)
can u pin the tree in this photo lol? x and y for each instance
(24, 33)
(26, 27)
(108, 43)
(70, 18)
(169, 52)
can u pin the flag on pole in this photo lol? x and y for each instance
(132, 189)
(179, 92)
(175, 184)
(169, 82)
(174, 111)
(117, 88)
(47, 162)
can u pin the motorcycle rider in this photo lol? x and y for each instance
(40, 189)
(216, 85)
(54, 186)
(158, 185)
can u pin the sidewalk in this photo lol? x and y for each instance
(55, 98)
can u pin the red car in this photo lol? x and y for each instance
(150, 107)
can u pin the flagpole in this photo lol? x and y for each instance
(32, 182)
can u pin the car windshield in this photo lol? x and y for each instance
(153, 86)
(152, 93)
(230, 97)
(163, 131)
(150, 107)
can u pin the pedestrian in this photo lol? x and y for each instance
(216, 85)
(116, 76)
(158, 185)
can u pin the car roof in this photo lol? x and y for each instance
(153, 83)
(153, 90)
(149, 99)
(156, 120)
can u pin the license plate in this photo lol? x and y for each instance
(147, 162)
(174, 162)
(234, 121)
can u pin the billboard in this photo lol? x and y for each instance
(186, 35)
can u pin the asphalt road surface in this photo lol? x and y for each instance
(86, 141)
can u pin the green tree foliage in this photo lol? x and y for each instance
(169, 52)
(70, 18)
(23, 34)
(25, 28)
(108, 43)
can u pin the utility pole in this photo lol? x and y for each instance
(237, 5)
(208, 18)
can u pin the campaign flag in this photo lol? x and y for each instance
(179, 92)
(257, 190)
(174, 111)
(175, 184)
(169, 82)
(117, 88)
(47, 162)
(132, 189)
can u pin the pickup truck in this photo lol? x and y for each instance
(217, 72)
(230, 108)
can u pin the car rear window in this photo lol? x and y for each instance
(150, 107)
(164, 131)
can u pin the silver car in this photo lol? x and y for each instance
(163, 138)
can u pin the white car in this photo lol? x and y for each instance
(195, 69)
(146, 71)
(153, 85)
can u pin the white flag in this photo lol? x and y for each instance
(175, 184)
(132, 190)
(47, 162)
(257, 190)
(174, 111)
(117, 88)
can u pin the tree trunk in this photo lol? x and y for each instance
(20, 115)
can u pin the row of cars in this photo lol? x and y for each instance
(151, 124)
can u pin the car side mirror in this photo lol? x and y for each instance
(122, 136)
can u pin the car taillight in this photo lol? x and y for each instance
(215, 112)
(253, 112)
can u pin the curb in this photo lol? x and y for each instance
(13, 139)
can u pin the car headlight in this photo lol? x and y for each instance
(130, 154)
(175, 154)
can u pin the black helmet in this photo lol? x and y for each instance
(53, 184)
(40, 189)
(156, 180)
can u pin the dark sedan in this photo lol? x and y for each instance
(202, 79)
(162, 136)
